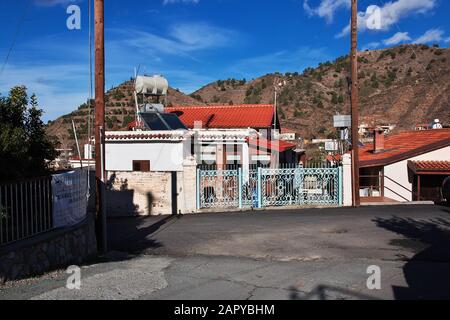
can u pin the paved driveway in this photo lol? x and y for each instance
(300, 254)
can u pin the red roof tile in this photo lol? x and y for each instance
(427, 166)
(278, 145)
(230, 116)
(141, 136)
(403, 146)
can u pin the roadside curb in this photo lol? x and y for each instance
(413, 203)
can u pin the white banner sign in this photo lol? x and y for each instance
(69, 198)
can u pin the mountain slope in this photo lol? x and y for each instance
(404, 85)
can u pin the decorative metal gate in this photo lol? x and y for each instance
(218, 188)
(266, 187)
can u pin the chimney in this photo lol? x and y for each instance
(378, 140)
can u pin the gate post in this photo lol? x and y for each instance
(259, 188)
(240, 187)
(198, 190)
(340, 175)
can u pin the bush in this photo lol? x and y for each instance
(25, 147)
(118, 95)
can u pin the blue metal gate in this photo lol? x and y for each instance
(266, 187)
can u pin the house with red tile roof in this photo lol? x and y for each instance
(408, 166)
(229, 135)
(263, 149)
(256, 116)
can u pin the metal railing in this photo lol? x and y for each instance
(25, 209)
(378, 188)
(373, 184)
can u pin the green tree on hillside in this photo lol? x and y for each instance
(24, 146)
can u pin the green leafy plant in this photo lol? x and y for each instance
(25, 148)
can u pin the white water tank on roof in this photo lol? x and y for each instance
(156, 85)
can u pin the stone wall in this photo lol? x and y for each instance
(139, 193)
(152, 193)
(52, 250)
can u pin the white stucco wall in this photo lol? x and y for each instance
(347, 180)
(399, 173)
(163, 156)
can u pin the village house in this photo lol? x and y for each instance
(152, 167)
(220, 136)
(408, 166)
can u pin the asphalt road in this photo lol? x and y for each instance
(299, 254)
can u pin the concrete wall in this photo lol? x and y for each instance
(49, 251)
(347, 180)
(164, 156)
(401, 189)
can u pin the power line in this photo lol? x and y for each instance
(16, 35)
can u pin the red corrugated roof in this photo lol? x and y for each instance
(427, 166)
(230, 116)
(403, 146)
(278, 145)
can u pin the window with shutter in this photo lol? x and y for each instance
(141, 165)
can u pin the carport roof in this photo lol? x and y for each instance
(430, 167)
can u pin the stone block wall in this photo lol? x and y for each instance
(139, 193)
(52, 250)
(152, 193)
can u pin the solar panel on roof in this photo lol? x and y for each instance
(173, 121)
(161, 121)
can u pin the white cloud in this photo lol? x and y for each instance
(397, 38)
(326, 8)
(51, 3)
(391, 13)
(45, 80)
(181, 39)
(447, 40)
(165, 2)
(432, 35)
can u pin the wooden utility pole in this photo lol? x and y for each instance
(354, 103)
(100, 124)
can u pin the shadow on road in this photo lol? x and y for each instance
(131, 235)
(427, 272)
(325, 292)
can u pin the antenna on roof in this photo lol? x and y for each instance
(136, 72)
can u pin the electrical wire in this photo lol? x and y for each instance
(16, 35)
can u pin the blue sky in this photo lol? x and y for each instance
(194, 42)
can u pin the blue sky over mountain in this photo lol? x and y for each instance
(194, 42)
